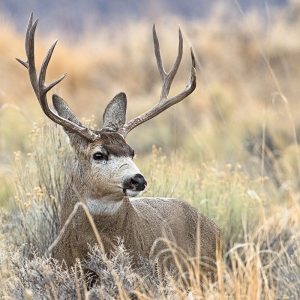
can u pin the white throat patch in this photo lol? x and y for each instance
(103, 207)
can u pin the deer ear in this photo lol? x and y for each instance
(64, 111)
(115, 113)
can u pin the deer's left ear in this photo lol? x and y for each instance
(115, 113)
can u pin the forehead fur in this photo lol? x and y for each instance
(113, 143)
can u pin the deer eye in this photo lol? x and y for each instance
(100, 156)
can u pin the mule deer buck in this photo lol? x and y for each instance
(105, 177)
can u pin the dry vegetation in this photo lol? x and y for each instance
(231, 150)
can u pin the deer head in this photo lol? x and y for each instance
(104, 159)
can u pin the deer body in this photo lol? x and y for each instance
(105, 178)
(139, 222)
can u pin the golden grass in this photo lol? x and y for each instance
(261, 233)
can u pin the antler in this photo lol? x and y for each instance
(167, 79)
(41, 89)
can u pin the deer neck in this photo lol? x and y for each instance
(112, 217)
(99, 205)
(104, 206)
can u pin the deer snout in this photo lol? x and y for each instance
(135, 183)
(139, 182)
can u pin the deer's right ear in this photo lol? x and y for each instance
(65, 112)
(114, 116)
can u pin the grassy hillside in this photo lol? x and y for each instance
(231, 149)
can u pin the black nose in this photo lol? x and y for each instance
(138, 182)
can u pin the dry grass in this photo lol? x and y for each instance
(261, 259)
(231, 150)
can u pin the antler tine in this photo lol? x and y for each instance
(38, 83)
(31, 57)
(167, 78)
(45, 66)
(23, 63)
(43, 72)
(29, 26)
(159, 62)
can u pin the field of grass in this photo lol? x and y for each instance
(231, 149)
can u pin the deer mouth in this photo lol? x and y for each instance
(134, 185)
(131, 193)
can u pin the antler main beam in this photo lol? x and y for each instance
(167, 79)
(41, 89)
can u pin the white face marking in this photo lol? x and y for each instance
(132, 193)
(116, 169)
(128, 169)
(124, 166)
(103, 207)
(110, 176)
